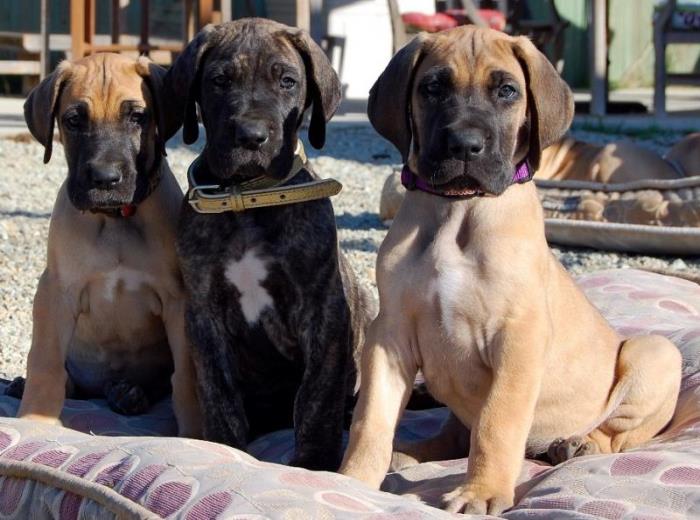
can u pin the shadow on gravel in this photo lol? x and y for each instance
(360, 244)
(364, 220)
(23, 213)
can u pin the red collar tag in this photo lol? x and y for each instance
(128, 210)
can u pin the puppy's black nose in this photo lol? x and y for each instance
(466, 143)
(251, 134)
(104, 176)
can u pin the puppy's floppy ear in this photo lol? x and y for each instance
(323, 85)
(390, 96)
(166, 122)
(182, 84)
(40, 106)
(549, 99)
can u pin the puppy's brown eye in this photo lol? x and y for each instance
(72, 121)
(287, 82)
(433, 88)
(507, 92)
(138, 118)
(221, 81)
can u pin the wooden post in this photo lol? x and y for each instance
(77, 29)
(45, 53)
(205, 13)
(661, 25)
(90, 22)
(599, 56)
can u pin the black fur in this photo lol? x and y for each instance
(295, 364)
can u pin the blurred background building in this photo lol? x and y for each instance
(361, 35)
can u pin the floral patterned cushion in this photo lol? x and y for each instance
(52, 472)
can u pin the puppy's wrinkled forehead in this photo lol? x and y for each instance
(105, 87)
(253, 50)
(471, 58)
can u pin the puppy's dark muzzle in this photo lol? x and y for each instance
(251, 134)
(466, 157)
(104, 176)
(466, 144)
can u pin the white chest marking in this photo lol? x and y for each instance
(246, 275)
(131, 279)
(450, 288)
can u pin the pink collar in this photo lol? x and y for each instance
(523, 173)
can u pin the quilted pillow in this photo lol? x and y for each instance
(52, 472)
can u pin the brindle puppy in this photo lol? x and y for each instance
(274, 313)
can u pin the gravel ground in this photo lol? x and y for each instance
(354, 155)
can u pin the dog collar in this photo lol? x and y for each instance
(259, 192)
(523, 173)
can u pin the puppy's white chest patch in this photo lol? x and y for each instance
(450, 289)
(128, 279)
(246, 275)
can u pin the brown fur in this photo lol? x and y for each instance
(111, 293)
(569, 159)
(471, 295)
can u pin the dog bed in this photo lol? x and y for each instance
(652, 216)
(54, 472)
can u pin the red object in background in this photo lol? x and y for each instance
(429, 22)
(452, 18)
(495, 19)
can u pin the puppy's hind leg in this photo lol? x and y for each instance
(641, 404)
(450, 443)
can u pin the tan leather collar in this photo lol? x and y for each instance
(259, 192)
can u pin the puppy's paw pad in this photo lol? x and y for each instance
(15, 388)
(564, 449)
(469, 501)
(126, 398)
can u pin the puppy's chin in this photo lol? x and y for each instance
(241, 164)
(489, 176)
(96, 200)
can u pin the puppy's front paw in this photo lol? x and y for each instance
(126, 398)
(476, 500)
(564, 449)
(53, 421)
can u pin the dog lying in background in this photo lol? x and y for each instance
(274, 313)
(109, 308)
(570, 159)
(619, 162)
(470, 293)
